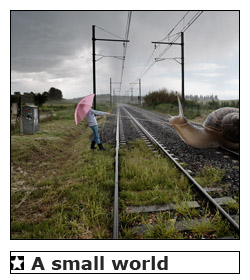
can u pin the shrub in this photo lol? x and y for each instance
(158, 97)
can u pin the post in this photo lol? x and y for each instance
(110, 93)
(93, 60)
(182, 68)
(182, 63)
(132, 95)
(140, 90)
(20, 115)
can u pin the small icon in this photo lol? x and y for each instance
(17, 262)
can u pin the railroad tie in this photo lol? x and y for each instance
(183, 225)
(178, 225)
(224, 200)
(213, 189)
(158, 208)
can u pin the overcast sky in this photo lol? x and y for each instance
(54, 49)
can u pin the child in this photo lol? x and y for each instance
(93, 125)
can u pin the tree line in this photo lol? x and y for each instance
(154, 98)
(37, 98)
(161, 96)
(202, 97)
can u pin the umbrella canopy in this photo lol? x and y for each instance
(83, 107)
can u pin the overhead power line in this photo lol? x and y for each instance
(175, 26)
(176, 36)
(108, 32)
(192, 21)
(125, 45)
(94, 39)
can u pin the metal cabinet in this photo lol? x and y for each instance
(30, 118)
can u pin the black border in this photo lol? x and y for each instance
(131, 252)
(47, 10)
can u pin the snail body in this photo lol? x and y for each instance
(220, 129)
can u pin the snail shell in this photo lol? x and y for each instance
(225, 120)
(220, 129)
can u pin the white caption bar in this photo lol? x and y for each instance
(124, 262)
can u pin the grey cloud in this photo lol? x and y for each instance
(59, 43)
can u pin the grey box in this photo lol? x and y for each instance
(30, 118)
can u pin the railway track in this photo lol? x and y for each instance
(162, 149)
(162, 120)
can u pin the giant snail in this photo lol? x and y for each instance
(220, 129)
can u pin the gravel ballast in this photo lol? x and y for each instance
(195, 159)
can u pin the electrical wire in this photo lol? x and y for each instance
(177, 36)
(144, 70)
(193, 19)
(175, 27)
(125, 46)
(108, 32)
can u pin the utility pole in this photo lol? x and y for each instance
(182, 68)
(110, 93)
(94, 60)
(114, 97)
(139, 96)
(20, 112)
(182, 63)
(111, 83)
(140, 91)
(127, 96)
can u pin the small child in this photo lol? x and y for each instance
(93, 125)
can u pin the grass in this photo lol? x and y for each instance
(216, 227)
(146, 179)
(163, 229)
(213, 177)
(60, 189)
(172, 109)
(165, 102)
(186, 211)
(210, 176)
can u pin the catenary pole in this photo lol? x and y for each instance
(93, 60)
(110, 92)
(94, 39)
(140, 90)
(182, 68)
(182, 63)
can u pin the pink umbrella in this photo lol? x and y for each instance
(83, 107)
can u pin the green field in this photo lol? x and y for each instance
(60, 189)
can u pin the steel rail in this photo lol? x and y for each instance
(196, 184)
(232, 153)
(116, 213)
